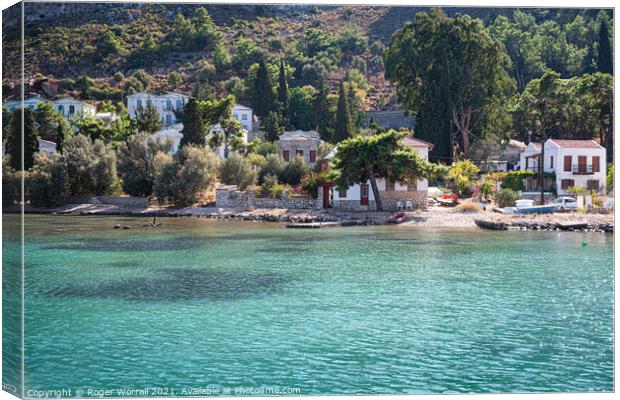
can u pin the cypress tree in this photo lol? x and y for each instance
(343, 128)
(147, 119)
(60, 137)
(14, 139)
(263, 101)
(193, 124)
(605, 62)
(322, 113)
(283, 94)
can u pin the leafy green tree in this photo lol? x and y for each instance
(273, 126)
(462, 174)
(184, 177)
(47, 119)
(343, 128)
(91, 165)
(605, 61)
(237, 170)
(109, 44)
(147, 119)
(94, 128)
(175, 79)
(293, 171)
(13, 144)
(363, 158)
(300, 108)
(48, 181)
(263, 101)
(283, 92)
(193, 124)
(136, 162)
(454, 62)
(207, 34)
(273, 166)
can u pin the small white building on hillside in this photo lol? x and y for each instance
(45, 146)
(31, 102)
(245, 116)
(173, 132)
(71, 108)
(574, 162)
(166, 105)
(360, 197)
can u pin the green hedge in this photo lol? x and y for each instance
(514, 179)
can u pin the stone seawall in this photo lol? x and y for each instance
(126, 201)
(230, 197)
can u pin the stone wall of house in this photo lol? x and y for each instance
(125, 201)
(230, 197)
(293, 145)
(354, 205)
(417, 197)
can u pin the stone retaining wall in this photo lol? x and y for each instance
(125, 201)
(230, 197)
(390, 198)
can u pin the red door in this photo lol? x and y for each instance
(364, 194)
(326, 193)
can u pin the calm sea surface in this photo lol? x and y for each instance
(201, 304)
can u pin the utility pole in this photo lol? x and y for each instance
(541, 169)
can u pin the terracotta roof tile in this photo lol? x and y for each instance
(576, 144)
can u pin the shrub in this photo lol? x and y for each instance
(266, 148)
(506, 197)
(143, 77)
(91, 165)
(462, 174)
(48, 181)
(175, 79)
(237, 170)
(294, 171)
(135, 163)
(610, 178)
(68, 84)
(184, 177)
(467, 207)
(118, 76)
(273, 166)
(11, 183)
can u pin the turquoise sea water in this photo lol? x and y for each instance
(198, 304)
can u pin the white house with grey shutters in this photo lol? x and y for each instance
(71, 108)
(166, 105)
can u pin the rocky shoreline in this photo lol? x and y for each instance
(433, 218)
(540, 223)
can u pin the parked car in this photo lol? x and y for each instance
(565, 203)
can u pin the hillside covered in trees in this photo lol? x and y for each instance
(370, 55)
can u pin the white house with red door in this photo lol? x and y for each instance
(360, 197)
(574, 162)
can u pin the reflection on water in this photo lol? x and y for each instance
(180, 284)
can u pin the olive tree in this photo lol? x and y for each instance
(237, 170)
(186, 175)
(135, 162)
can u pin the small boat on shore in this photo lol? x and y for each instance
(397, 218)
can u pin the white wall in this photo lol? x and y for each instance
(165, 105)
(244, 116)
(80, 108)
(557, 153)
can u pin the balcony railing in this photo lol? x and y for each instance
(583, 169)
